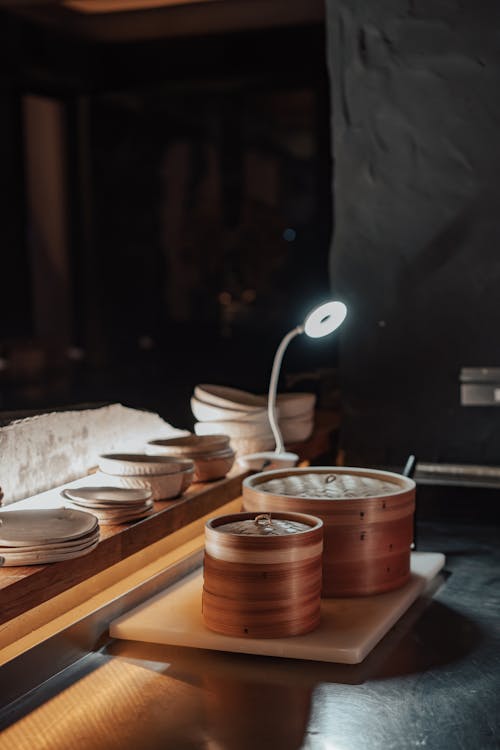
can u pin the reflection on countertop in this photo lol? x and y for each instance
(433, 681)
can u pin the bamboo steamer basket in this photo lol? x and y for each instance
(367, 516)
(262, 574)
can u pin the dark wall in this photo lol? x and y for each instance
(15, 303)
(416, 251)
(193, 210)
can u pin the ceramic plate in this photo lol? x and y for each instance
(106, 495)
(114, 508)
(113, 512)
(119, 519)
(140, 464)
(28, 528)
(109, 509)
(57, 546)
(48, 556)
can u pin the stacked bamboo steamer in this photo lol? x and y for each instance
(212, 455)
(262, 574)
(367, 515)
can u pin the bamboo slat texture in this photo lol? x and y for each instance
(368, 518)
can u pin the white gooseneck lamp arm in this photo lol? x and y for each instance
(320, 322)
(273, 387)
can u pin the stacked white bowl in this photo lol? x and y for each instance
(212, 455)
(243, 416)
(164, 476)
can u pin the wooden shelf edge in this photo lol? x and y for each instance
(26, 587)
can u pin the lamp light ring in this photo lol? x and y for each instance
(325, 319)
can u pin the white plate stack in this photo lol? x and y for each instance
(165, 477)
(243, 416)
(111, 505)
(36, 537)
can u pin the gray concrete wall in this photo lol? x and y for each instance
(416, 247)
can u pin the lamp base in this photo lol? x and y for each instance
(267, 460)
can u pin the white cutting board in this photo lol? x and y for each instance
(348, 631)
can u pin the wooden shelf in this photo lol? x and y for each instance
(24, 587)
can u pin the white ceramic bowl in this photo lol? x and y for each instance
(296, 430)
(188, 446)
(295, 404)
(216, 466)
(252, 445)
(235, 400)
(229, 398)
(267, 461)
(212, 455)
(292, 430)
(162, 486)
(138, 464)
(204, 412)
(234, 429)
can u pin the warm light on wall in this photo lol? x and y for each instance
(120, 6)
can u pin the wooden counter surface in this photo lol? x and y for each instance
(23, 588)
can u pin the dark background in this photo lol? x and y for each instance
(167, 202)
(179, 186)
(416, 255)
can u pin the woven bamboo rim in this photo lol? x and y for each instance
(361, 511)
(288, 548)
(366, 540)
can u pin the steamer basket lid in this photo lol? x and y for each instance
(330, 486)
(263, 525)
